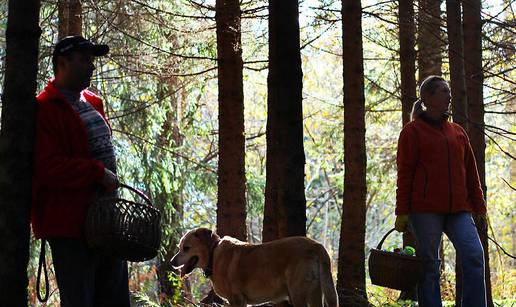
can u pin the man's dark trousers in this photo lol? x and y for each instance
(86, 278)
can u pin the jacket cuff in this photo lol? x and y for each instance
(401, 211)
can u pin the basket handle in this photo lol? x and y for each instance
(379, 247)
(138, 192)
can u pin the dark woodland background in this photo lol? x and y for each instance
(265, 119)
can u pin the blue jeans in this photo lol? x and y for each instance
(87, 279)
(460, 229)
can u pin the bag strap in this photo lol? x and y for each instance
(42, 263)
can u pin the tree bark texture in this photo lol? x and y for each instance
(429, 39)
(458, 89)
(407, 38)
(472, 29)
(16, 148)
(69, 18)
(285, 203)
(231, 201)
(408, 86)
(351, 264)
(456, 56)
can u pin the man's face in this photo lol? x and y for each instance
(76, 70)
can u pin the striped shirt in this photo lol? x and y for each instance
(97, 130)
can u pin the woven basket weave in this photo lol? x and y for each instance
(394, 270)
(124, 229)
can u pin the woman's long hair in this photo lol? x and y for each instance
(428, 86)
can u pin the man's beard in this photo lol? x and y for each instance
(85, 83)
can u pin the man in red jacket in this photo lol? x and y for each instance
(74, 163)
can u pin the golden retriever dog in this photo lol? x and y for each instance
(297, 269)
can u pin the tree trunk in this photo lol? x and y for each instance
(285, 203)
(408, 90)
(351, 266)
(407, 57)
(231, 201)
(69, 18)
(429, 39)
(456, 56)
(458, 89)
(16, 148)
(474, 82)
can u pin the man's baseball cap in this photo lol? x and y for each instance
(78, 43)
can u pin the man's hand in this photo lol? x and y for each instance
(401, 222)
(110, 181)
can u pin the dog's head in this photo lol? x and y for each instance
(194, 250)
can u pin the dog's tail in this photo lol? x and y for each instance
(327, 285)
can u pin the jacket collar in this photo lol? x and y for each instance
(439, 124)
(51, 92)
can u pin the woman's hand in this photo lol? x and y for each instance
(110, 180)
(401, 222)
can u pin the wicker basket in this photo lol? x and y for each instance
(124, 229)
(394, 270)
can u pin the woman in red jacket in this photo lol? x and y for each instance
(438, 189)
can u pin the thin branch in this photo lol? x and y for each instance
(166, 149)
(170, 13)
(146, 43)
(510, 186)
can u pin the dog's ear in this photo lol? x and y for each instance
(207, 237)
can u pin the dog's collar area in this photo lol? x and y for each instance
(208, 271)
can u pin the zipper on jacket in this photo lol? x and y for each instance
(426, 182)
(449, 174)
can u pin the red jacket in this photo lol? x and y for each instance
(437, 171)
(65, 173)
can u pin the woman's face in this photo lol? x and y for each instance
(439, 101)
